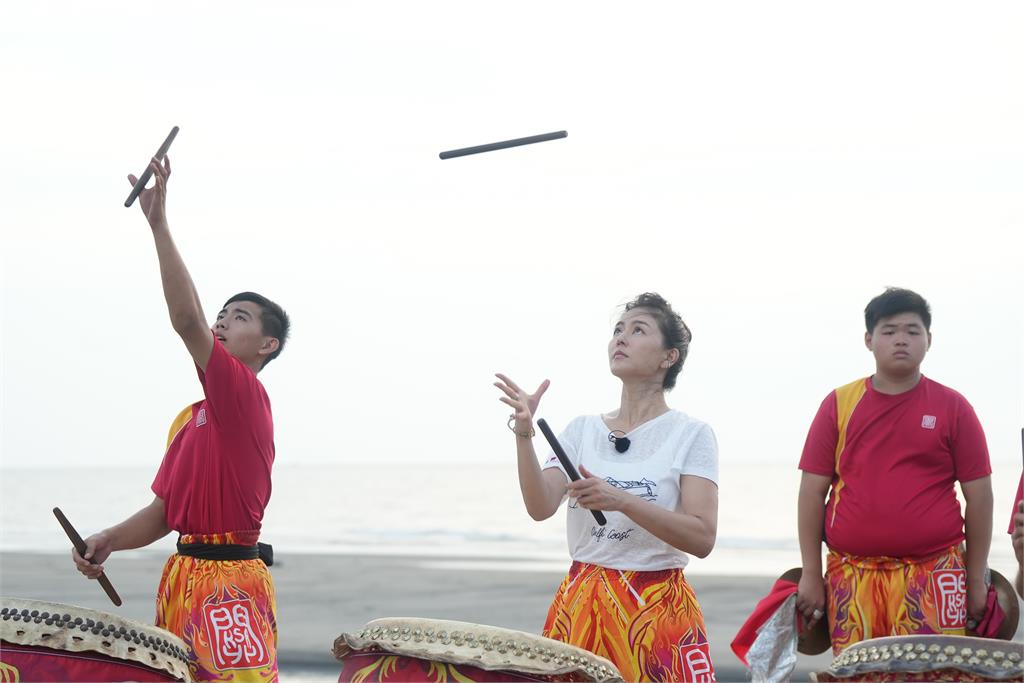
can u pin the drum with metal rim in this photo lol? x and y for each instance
(927, 658)
(50, 641)
(412, 649)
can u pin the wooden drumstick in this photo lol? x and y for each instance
(504, 144)
(148, 173)
(566, 463)
(79, 544)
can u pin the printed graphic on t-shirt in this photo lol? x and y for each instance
(928, 421)
(644, 488)
(201, 417)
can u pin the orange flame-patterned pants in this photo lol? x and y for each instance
(224, 610)
(874, 597)
(647, 623)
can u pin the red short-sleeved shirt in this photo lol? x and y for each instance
(1016, 501)
(215, 475)
(892, 482)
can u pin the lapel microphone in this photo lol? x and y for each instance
(621, 442)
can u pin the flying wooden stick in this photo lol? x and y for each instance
(490, 147)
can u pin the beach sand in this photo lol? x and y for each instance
(321, 596)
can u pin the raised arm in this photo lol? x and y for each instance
(183, 305)
(543, 490)
(144, 527)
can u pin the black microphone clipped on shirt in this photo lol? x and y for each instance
(621, 442)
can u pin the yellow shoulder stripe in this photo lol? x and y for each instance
(847, 398)
(179, 423)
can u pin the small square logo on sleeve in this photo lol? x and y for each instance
(928, 421)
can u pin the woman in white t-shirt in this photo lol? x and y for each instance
(653, 471)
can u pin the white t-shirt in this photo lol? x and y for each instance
(660, 451)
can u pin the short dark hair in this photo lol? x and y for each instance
(275, 321)
(675, 332)
(894, 301)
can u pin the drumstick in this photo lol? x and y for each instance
(79, 544)
(566, 463)
(504, 144)
(148, 173)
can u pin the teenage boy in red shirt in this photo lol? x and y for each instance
(887, 449)
(213, 485)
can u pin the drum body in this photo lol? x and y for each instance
(410, 649)
(49, 641)
(927, 658)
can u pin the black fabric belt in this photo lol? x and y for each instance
(222, 552)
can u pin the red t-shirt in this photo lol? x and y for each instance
(215, 475)
(892, 481)
(1016, 501)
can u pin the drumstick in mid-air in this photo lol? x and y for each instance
(566, 463)
(79, 544)
(148, 173)
(504, 144)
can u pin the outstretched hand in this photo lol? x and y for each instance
(524, 404)
(153, 201)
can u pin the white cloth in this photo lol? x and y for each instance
(772, 657)
(660, 451)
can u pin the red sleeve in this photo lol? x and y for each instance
(969, 449)
(1016, 502)
(819, 456)
(230, 387)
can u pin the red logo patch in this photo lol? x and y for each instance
(235, 637)
(949, 586)
(697, 663)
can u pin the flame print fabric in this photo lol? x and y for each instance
(647, 623)
(874, 597)
(224, 610)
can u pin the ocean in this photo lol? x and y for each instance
(448, 512)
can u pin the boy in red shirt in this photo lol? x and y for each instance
(887, 449)
(213, 485)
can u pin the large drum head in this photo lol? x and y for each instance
(49, 641)
(475, 652)
(927, 658)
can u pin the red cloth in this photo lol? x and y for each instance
(768, 606)
(990, 624)
(901, 457)
(215, 475)
(1016, 502)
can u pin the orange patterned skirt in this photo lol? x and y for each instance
(647, 623)
(873, 597)
(224, 610)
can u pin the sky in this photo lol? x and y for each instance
(767, 167)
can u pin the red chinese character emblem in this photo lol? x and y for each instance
(949, 586)
(697, 663)
(235, 637)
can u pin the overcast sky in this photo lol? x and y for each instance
(768, 167)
